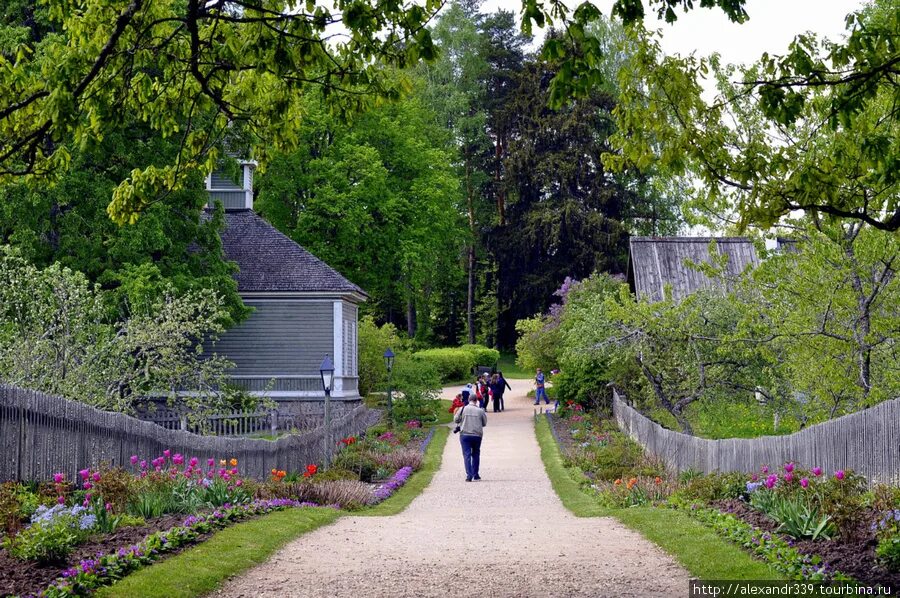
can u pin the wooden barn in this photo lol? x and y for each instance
(654, 262)
(303, 310)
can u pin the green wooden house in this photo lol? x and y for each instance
(303, 310)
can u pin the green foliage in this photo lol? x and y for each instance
(715, 486)
(50, 539)
(887, 531)
(813, 130)
(198, 78)
(538, 345)
(795, 514)
(771, 549)
(451, 363)
(55, 336)
(482, 355)
(373, 341)
(388, 174)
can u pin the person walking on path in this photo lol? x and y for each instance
(471, 419)
(540, 391)
(498, 387)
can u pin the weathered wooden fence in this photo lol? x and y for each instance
(41, 435)
(868, 442)
(236, 423)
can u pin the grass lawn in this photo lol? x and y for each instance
(229, 552)
(507, 365)
(201, 569)
(698, 548)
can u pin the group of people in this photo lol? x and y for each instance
(487, 389)
(469, 408)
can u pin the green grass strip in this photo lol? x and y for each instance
(444, 416)
(563, 482)
(204, 567)
(417, 481)
(697, 547)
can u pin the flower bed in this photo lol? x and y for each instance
(110, 520)
(807, 524)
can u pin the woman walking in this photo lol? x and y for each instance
(498, 387)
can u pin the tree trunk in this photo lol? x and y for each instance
(863, 324)
(498, 183)
(470, 301)
(410, 316)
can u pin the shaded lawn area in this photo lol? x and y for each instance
(507, 365)
(697, 547)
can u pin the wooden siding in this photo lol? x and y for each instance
(283, 337)
(231, 200)
(657, 262)
(351, 340)
(219, 180)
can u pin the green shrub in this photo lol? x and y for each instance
(151, 504)
(450, 363)
(334, 473)
(373, 340)
(363, 463)
(483, 355)
(716, 486)
(887, 531)
(418, 386)
(53, 534)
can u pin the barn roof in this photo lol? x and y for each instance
(271, 262)
(654, 262)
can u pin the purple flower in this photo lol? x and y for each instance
(134, 459)
(58, 478)
(143, 465)
(193, 462)
(839, 474)
(817, 471)
(178, 459)
(167, 453)
(85, 473)
(804, 482)
(789, 467)
(96, 476)
(788, 477)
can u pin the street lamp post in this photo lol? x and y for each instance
(389, 364)
(326, 371)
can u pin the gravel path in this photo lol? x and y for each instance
(506, 535)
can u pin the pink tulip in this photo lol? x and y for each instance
(85, 474)
(58, 478)
(754, 478)
(817, 471)
(108, 507)
(234, 471)
(239, 482)
(789, 467)
(804, 482)
(61, 500)
(178, 459)
(143, 465)
(210, 462)
(193, 462)
(134, 459)
(225, 476)
(88, 497)
(143, 474)
(839, 474)
(87, 485)
(765, 469)
(788, 477)
(167, 453)
(97, 476)
(187, 474)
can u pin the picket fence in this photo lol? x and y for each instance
(41, 435)
(868, 442)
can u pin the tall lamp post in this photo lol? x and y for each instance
(389, 364)
(326, 370)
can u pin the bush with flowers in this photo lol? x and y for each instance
(887, 532)
(634, 491)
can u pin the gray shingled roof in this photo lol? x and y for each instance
(654, 262)
(269, 261)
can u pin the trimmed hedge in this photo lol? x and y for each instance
(452, 363)
(483, 355)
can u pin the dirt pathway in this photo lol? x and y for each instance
(506, 535)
